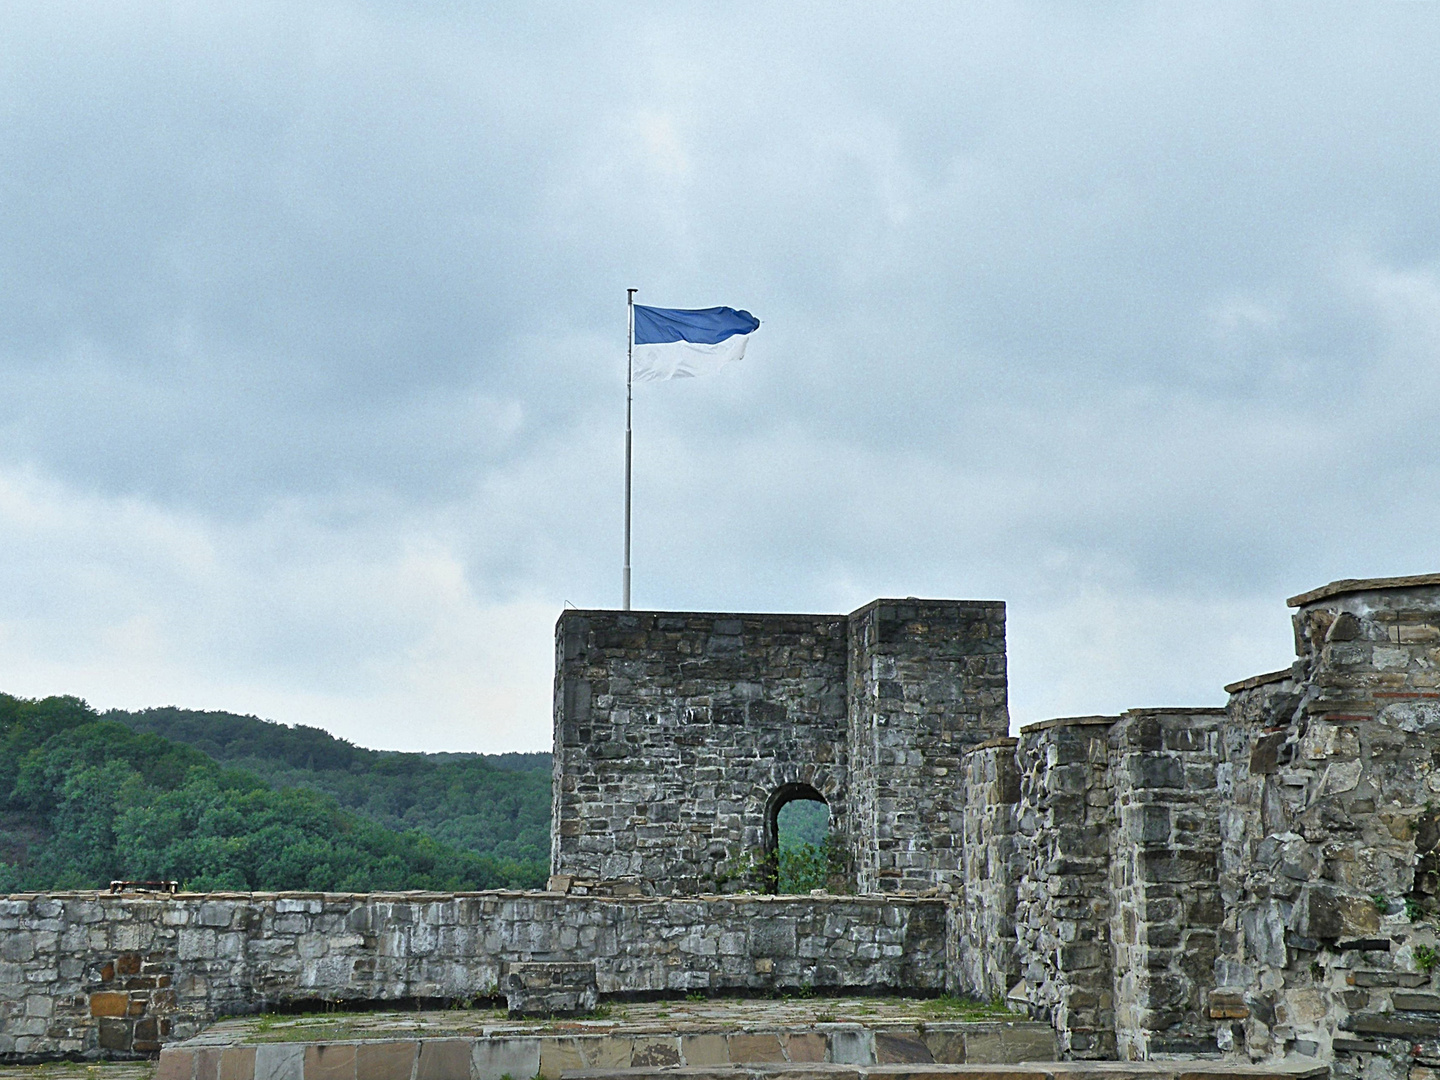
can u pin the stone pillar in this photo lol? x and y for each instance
(926, 683)
(1063, 909)
(1165, 894)
(987, 964)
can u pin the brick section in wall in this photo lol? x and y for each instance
(1165, 893)
(1063, 905)
(68, 983)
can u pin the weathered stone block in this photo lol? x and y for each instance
(395, 1060)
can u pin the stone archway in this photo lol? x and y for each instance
(783, 795)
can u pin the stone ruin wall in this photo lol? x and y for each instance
(1259, 881)
(1329, 867)
(85, 974)
(1091, 894)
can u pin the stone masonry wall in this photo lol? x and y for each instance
(986, 964)
(1330, 862)
(678, 736)
(673, 733)
(1063, 905)
(83, 973)
(1165, 893)
(927, 681)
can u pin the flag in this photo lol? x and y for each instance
(671, 343)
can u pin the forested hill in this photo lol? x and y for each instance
(496, 805)
(84, 800)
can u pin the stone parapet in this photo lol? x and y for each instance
(92, 974)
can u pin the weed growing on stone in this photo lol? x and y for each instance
(966, 1008)
(1426, 958)
(1381, 902)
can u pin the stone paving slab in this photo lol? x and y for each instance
(717, 1014)
(75, 1070)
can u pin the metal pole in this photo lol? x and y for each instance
(629, 377)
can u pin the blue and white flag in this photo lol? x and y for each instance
(671, 343)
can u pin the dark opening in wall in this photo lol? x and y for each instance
(797, 831)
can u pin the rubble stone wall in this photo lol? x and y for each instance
(1063, 903)
(85, 974)
(1330, 866)
(986, 963)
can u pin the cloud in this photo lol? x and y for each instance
(313, 342)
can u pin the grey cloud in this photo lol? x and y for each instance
(1135, 308)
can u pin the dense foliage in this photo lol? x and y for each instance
(84, 800)
(806, 857)
(497, 805)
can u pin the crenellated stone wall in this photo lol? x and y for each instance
(1094, 842)
(85, 974)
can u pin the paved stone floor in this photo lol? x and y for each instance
(637, 1017)
(70, 1070)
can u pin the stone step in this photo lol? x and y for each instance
(236, 1051)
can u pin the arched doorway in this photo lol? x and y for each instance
(797, 847)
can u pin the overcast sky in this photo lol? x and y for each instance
(312, 341)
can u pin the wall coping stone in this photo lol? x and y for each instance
(870, 899)
(1002, 743)
(570, 613)
(1168, 710)
(1068, 721)
(1260, 680)
(1350, 585)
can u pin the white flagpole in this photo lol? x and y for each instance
(629, 377)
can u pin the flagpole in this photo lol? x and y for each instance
(629, 378)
